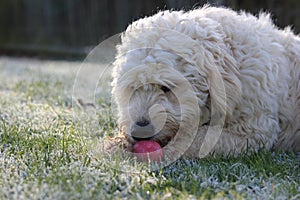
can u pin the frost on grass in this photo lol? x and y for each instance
(48, 142)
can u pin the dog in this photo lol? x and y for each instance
(208, 81)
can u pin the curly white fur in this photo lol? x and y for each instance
(259, 66)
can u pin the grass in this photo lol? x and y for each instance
(47, 151)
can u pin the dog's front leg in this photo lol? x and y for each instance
(212, 140)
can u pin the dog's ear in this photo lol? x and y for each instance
(216, 60)
(222, 76)
(208, 48)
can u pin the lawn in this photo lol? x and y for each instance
(50, 146)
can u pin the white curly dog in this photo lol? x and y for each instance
(177, 74)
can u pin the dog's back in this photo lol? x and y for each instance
(282, 49)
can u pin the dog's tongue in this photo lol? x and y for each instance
(147, 150)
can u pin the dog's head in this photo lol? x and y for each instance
(155, 97)
(166, 81)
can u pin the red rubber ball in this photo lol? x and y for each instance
(146, 149)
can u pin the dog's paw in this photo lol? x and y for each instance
(117, 144)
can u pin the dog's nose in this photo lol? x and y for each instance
(142, 130)
(143, 123)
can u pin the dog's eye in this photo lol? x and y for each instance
(165, 89)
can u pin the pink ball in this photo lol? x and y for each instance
(147, 149)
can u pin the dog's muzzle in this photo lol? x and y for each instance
(142, 130)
